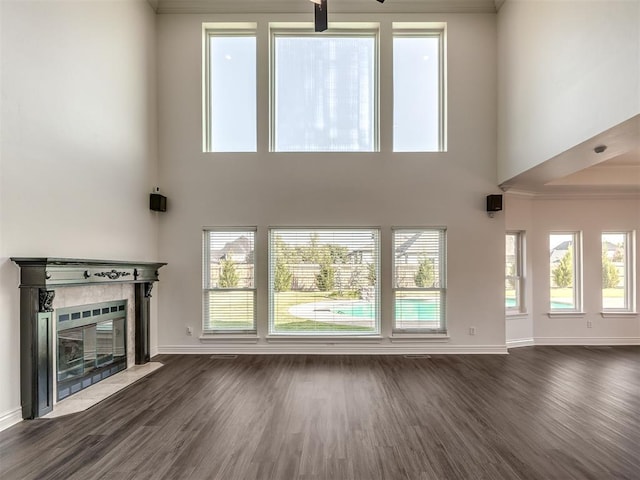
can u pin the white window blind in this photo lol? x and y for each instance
(419, 283)
(229, 280)
(324, 281)
(324, 92)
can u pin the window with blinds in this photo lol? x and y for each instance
(419, 280)
(324, 91)
(324, 281)
(229, 292)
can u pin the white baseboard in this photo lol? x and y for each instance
(333, 349)
(10, 418)
(521, 342)
(587, 341)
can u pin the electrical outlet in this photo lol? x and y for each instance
(472, 330)
(589, 324)
(189, 331)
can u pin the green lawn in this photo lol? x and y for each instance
(233, 313)
(287, 322)
(558, 293)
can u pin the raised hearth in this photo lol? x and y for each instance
(43, 332)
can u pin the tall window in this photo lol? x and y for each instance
(324, 91)
(417, 90)
(230, 89)
(513, 272)
(617, 278)
(324, 281)
(229, 280)
(419, 283)
(565, 273)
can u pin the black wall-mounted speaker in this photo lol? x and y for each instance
(494, 203)
(157, 202)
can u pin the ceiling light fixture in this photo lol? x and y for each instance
(321, 20)
(600, 148)
(320, 10)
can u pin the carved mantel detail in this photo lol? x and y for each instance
(113, 274)
(45, 298)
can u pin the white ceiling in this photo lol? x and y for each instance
(582, 170)
(338, 6)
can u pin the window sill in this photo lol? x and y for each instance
(420, 337)
(516, 315)
(326, 339)
(612, 314)
(229, 338)
(566, 314)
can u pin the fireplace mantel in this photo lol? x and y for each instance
(39, 279)
(64, 272)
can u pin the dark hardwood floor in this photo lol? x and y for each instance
(538, 413)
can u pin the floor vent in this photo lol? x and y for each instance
(223, 356)
(417, 355)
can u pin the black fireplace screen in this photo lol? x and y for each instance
(91, 344)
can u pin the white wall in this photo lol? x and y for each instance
(79, 144)
(568, 70)
(591, 216)
(377, 189)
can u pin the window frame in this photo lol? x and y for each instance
(518, 277)
(206, 279)
(442, 289)
(577, 275)
(629, 273)
(209, 30)
(311, 334)
(400, 30)
(350, 30)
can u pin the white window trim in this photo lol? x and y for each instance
(518, 279)
(440, 333)
(629, 277)
(402, 29)
(206, 288)
(577, 278)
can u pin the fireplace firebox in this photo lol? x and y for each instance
(91, 345)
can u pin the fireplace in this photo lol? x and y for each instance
(91, 345)
(81, 321)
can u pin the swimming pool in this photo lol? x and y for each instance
(511, 302)
(415, 308)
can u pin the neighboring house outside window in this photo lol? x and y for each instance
(419, 282)
(617, 272)
(229, 292)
